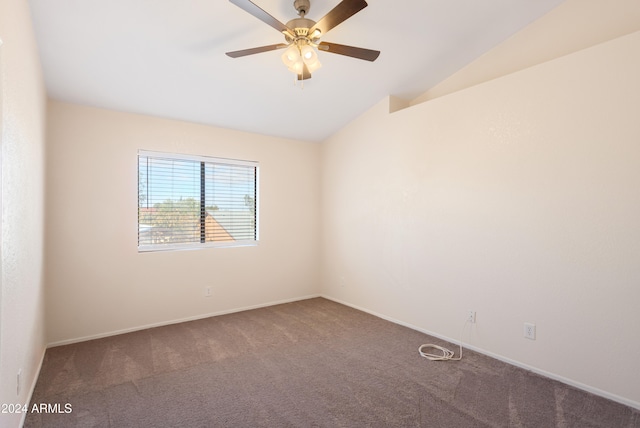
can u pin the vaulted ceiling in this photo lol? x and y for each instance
(167, 57)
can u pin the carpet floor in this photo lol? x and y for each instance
(312, 363)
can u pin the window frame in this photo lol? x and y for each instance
(145, 248)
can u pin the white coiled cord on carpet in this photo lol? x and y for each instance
(447, 355)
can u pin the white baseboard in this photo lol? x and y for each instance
(177, 321)
(587, 388)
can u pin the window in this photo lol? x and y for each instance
(194, 202)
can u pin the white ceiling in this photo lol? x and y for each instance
(166, 57)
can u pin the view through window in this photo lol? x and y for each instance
(194, 201)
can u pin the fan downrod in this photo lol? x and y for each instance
(302, 6)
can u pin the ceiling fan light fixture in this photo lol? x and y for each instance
(291, 55)
(310, 58)
(313, 66)
(295, 58)
(308, 53)
(297, 67)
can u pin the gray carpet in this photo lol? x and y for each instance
(313, 363)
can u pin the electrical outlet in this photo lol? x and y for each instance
(472, 317)
(207, 292)
(18, 382)
(530, 331)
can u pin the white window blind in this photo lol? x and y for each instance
(194, 201)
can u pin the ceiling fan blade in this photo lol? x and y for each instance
(245, 52)
(255, 10)
(343, 11)
(305, 73)
(360, 53)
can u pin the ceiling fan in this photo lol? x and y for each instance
(302, 36)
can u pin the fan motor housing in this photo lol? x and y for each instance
(300, 27)
(301, 23)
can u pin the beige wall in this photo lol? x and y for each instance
(22, 113)
(97, 282)
(574, 25)
(517, 198)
